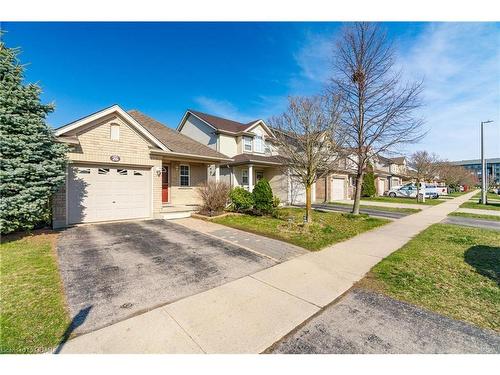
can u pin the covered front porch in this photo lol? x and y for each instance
(175, 185)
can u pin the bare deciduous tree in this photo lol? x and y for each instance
(456, 175)
(423, 167)
(306, 139)
(377, 106)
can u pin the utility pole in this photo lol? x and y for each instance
(484, 199)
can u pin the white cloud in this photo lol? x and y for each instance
(460, 65)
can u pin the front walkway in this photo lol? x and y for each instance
(250, 314)
(278, 251)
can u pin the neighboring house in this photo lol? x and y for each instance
(126, 165)
(251, 146)
(389, 173)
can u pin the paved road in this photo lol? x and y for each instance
(367, 322)
(470, 222)
(369, 211)
(112, 271)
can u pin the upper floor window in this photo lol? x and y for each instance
(247, 144)
(115, 132)
(184, 175)
(259, 143)
(267, 148)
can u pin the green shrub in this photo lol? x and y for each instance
(368, 187)
(241, 199)
(263, 197)
(276, 201)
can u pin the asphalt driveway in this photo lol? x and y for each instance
(365, 322)
(115, 270)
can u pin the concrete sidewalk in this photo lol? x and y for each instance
(250, 314)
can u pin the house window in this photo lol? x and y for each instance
(184, 175)
(259, 175)
(259, 143)
(115, 132)
(267, 148)
(247, 141)
(244, 177)
(83, 170)
(122, 172)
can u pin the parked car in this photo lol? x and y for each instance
(409, 191)
(439, 190)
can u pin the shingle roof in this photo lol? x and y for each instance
(222, 123)
(172, 139)
(398, 160)
(252, 158)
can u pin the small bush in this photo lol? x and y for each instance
(263, 197)
(241, 199)
(276, 201)
(214, 196)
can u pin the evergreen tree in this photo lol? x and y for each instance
(32, 163)
(368, 186)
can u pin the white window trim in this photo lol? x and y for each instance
(243, 172)
(245, 138)
(188, 175)
(262, 148)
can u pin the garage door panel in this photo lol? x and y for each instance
(338, 187)
(107, 193)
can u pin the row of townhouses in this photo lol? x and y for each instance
(126, 165)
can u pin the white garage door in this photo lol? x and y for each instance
(108, 193)
(297, 191)
(337, 189)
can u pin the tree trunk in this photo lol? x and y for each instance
(308, 204)
(357, 193)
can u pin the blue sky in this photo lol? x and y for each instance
(246, 71)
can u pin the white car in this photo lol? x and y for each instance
(439, 190)
(409, 191)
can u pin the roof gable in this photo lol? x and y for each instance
(115, 109)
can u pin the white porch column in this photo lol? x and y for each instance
(250, 178)
(217, 173)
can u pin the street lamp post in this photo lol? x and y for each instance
(484, 199)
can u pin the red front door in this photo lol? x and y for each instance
(164, 184)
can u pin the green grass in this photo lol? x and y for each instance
(33, 315)
(327, 227)
(475, 216)
(381, 208)
(428, 202)
(488, 196)
(474, 204)
(449, 269)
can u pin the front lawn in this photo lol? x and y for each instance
(327, 227)
(488, 196)
(475, 216)
(428, 202)
(450, 269)
(33, 315)
(380, 208)
(475, 204)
